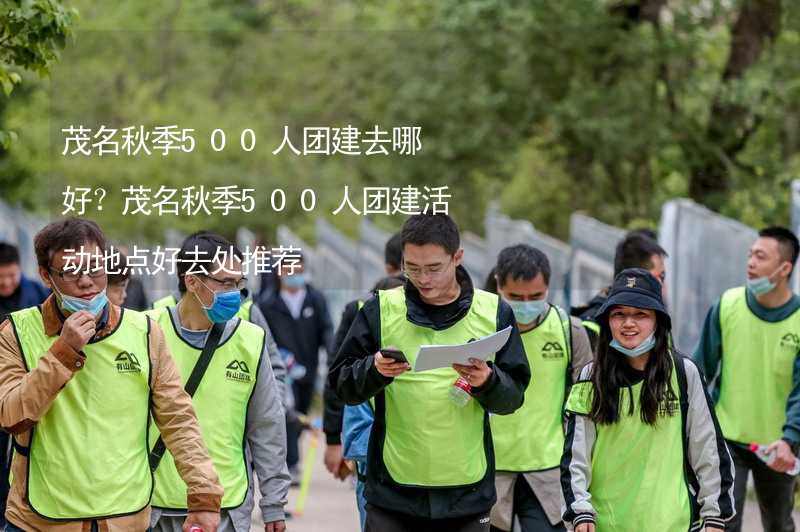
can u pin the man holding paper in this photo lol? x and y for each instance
(430, 459)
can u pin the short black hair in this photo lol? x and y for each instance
(787, 242)
(393, 252)
(644, 231)
(9, 254)
(69, 233)
(437, 229)
(387, 283)
(208, 244)
(490, 284)
(636, 250)
(522, 262)
(122, 272)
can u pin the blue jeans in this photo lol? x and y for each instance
(361, 501)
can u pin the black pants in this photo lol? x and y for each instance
(529, 511)
(774, 491)
(381, 520)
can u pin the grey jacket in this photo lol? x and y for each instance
(265, 449)
(711, 472)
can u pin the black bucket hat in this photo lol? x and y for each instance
(635, 287)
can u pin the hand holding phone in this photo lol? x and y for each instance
(391, 362)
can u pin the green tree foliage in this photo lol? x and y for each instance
(32, 32)
(547, 106)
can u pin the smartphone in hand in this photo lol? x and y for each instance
(394, 354)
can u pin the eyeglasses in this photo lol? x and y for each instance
(414, 272)
(230, 284)
(72, 276)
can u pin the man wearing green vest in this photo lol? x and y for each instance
(237, 400)
(529, 442)
(248, 312)
(430, 464)
(748, 350)
(79, 380)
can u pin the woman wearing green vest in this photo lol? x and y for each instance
(529, 442)
(643, 448)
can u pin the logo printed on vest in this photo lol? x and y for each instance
(127, 363)
(791, 340)
(552, 351)
(670, 405)
(237, 371)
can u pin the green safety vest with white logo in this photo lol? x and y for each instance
(429, 440)
(88, 455)
(220, 402)
(532, 438)
(757, 366)
(637, 481)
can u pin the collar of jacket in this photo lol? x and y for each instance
(275, 301)
(417, 309)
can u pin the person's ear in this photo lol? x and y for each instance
(44, 275)
(191, 283)
(458, 256)
(789, 269)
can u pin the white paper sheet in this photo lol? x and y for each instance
(444, 356)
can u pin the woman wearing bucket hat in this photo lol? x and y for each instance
(643, 448)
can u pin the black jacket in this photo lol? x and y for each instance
(355, 379)
(333, 406)
(304, 336)
(589, 311)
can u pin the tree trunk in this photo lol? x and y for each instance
(731, 124)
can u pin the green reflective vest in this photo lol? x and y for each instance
(757, 365)
(164, 302)
(637, 480)
(220, 402)
(592, 326)
(532, 438)
(429, 440)
(244, 310)
(88, 455)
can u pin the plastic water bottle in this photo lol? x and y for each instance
(768, 457)
(460, 392)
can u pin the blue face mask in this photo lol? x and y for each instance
(224, 306)
(528, 311)
(73, 304)
(297, 280)
(639, 350)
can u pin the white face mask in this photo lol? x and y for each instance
(633, 352)
(762, 285)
